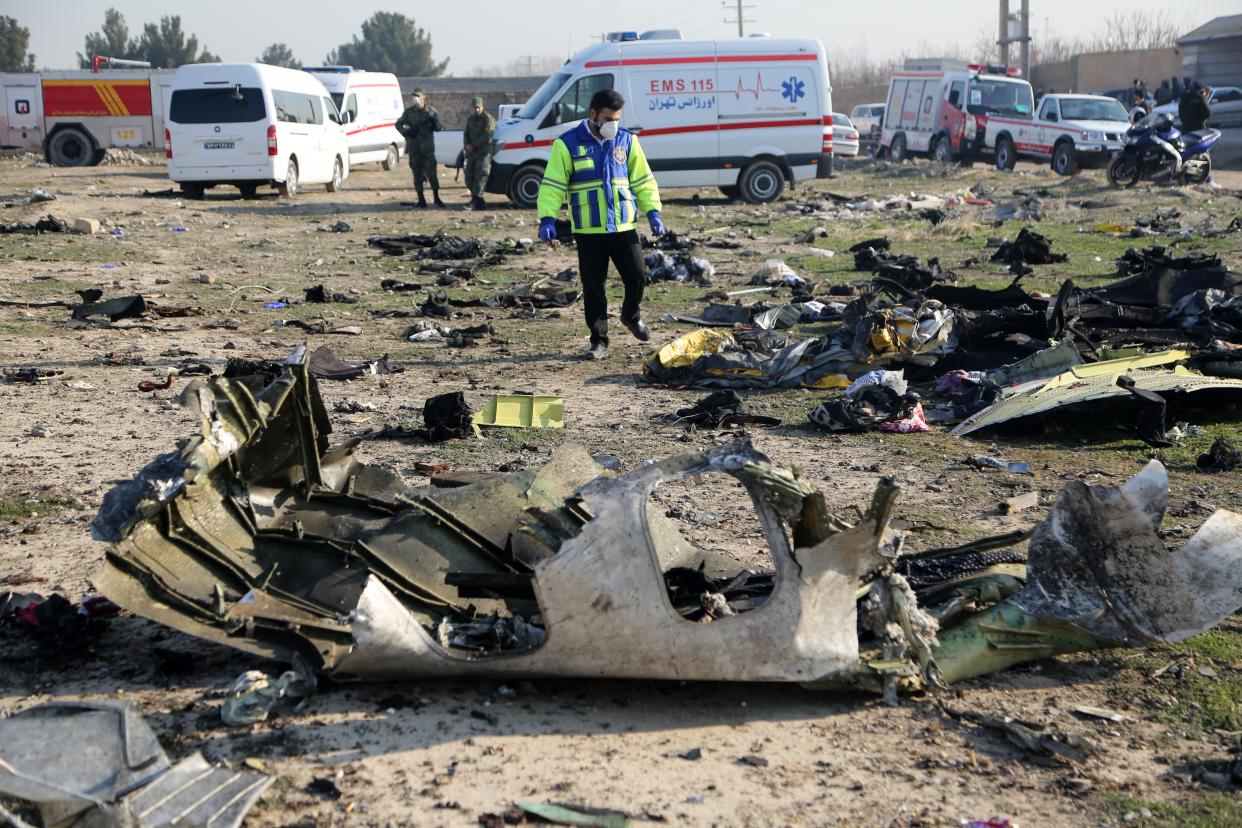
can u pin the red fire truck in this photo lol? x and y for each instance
(73, 115)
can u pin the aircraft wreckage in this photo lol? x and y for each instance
(256, 533)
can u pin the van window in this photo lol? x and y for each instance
(958, 87)
(539, 100)
(857, 112)
(297, 107)
(339, 100)
(576, 102)
(351, 106)
(877, 111)
(330, 108)
(217, 105)
(896, 95)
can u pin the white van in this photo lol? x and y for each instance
(370, 104)
(249, 124)
(746, 115)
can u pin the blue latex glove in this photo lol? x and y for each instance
(657, 225)
(547, 229)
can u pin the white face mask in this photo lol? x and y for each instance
(608, 129)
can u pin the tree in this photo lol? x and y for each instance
(14, 40)
(390, 43)
(278, 54)
(165, 46)
(111, 41)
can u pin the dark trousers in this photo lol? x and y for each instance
(594, 252)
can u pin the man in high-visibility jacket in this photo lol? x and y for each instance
(602, 172)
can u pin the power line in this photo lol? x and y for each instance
(741, 20)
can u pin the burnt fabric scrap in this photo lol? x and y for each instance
(447, 416)
(320, 294)
(721, 409)
(1028, 248)
(681, 267)
(865, 410)
(98, 764)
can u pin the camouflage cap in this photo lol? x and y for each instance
(476, 101)
(420, 92)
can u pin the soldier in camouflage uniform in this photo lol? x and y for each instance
(477, 138)
(418, 124)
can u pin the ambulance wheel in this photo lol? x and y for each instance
(942, 150)
(524, 186)
(289, 187)
(392, 157)
(731, 192)
(897, 150)
(1006, 156)
(71, 147)
(338, 175)
(1065, 159)
(762, 182)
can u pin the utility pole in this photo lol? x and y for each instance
(741, 16)
(1026, 39)
(1016, 28)
(1003, 38)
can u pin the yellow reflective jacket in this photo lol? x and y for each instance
(607, 185)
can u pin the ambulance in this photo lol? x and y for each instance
(73, 115)
(953, 110)
(370, 104)
(747, 115)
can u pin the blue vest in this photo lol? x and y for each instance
(599, 188)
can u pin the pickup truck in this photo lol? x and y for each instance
(1069, 131)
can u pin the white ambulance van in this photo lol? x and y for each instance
(370, 104)
(249, 125)
(747, 115)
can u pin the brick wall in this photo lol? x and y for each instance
(451, 96)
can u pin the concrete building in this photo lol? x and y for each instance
(1102, 71)
(1212, 53)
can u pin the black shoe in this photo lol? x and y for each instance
(639, 328)
(436, 196)
(478, 204)
(422, 202)
(597, 350)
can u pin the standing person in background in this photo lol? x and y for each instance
(1193, 110)
(477, 140)
(419, 124)
(603, 172)
(1164, 94)
(1175, 86)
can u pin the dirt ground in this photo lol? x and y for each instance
(443, 752)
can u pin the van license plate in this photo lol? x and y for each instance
(220, 145)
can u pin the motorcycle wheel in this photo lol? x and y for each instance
(1203, 169)
(1123, 171)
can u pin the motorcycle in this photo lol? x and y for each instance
(1145, 155)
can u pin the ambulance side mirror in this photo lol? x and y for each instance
(1051, 116)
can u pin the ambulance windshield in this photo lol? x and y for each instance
(994, 96)
(540, 99)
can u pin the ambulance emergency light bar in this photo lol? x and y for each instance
(995, 69)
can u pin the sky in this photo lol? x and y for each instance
(494, 32)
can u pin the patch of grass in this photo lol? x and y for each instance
(1205, 811)
(15, 508)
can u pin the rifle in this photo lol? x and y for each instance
(461, 162)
